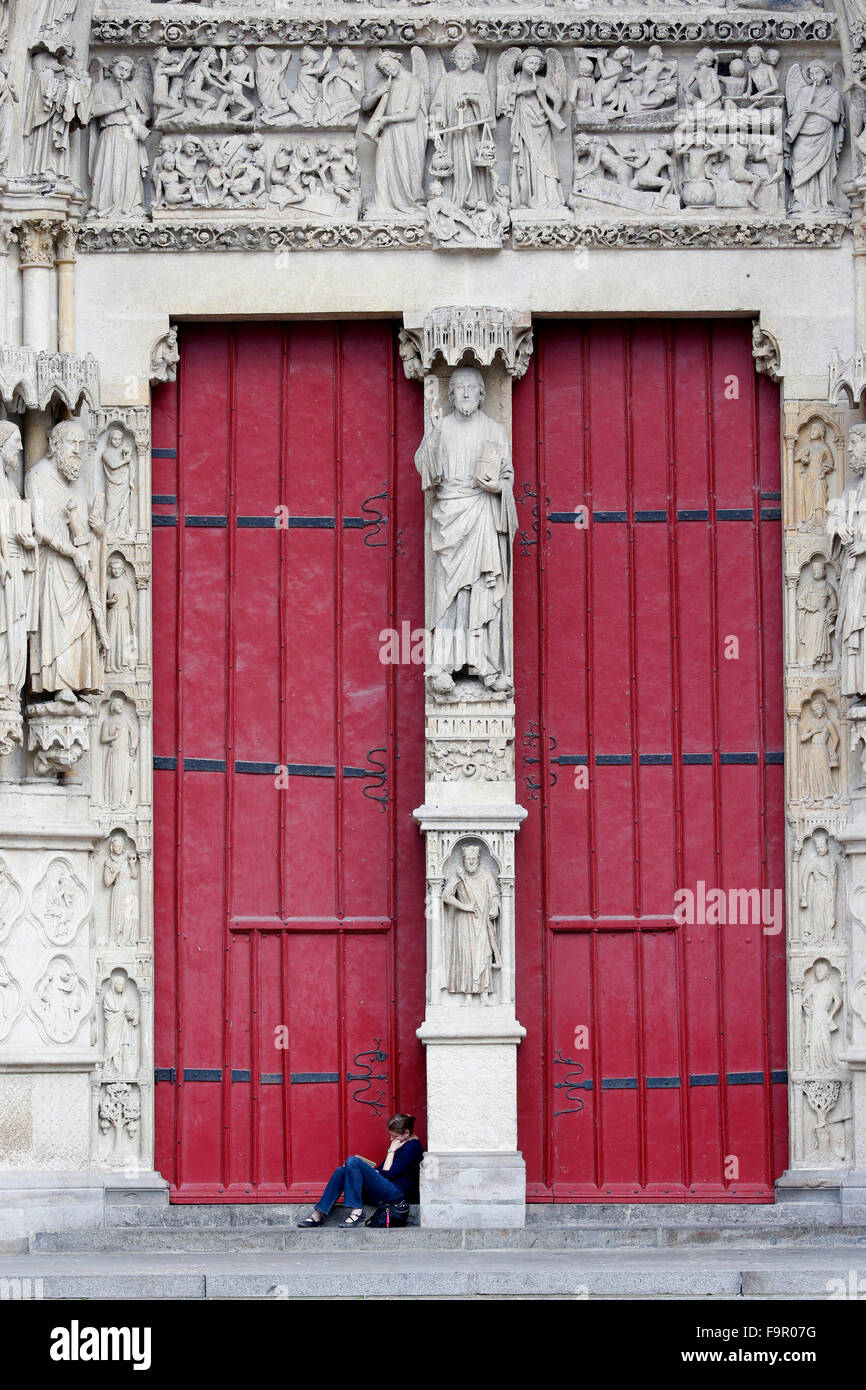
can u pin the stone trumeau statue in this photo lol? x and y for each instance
(465, 461)
(68, 650)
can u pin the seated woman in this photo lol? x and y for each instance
(393, 1180)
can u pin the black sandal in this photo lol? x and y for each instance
(351, 1221)
(309, 1222)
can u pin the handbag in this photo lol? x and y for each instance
(389, 1214)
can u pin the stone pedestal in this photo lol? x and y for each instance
(473, 1173)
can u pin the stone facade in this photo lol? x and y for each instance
(163, 161)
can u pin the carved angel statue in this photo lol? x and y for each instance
(531, 89)
(815, 131)
(461, 127)
(121, 106)
(398, 128)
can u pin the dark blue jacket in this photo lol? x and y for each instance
(404, 1169)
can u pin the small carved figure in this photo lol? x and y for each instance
(119, 737)
(59, 998)
(816, 461)
(120, 602)
(304, 102)
(71, 641)
(818, 893)
(165, 357)
(471, 907)
(271, 66)
(703, 87)
(168, 72)
(821, 1003)
(237, 78)
(819, 743)
(10, 898)
(203, 85)
(246, 185)
(342, 90)
(60, 898)
(120, 1018)
(116, 458)
(816, 615)
(170, 187)
(18, 573)
(120, 874)
(763, 80)
(815, 132)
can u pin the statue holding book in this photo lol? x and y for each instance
(465, 462)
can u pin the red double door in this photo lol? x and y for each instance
(290, 956)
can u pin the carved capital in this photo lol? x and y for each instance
(65, 240)
(36, 242)
(452, 332)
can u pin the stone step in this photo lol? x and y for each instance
(577, 1236)
(452, 1274)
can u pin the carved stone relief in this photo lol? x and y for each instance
(819, 891)
(60, 902)
(119, 741)
(18, 586)
(59, 1001)
(119, 1117)
(116, 456)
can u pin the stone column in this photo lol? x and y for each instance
(36, 244)
(64, 255)
(474, 1173)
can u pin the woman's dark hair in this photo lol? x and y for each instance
(398, 1124)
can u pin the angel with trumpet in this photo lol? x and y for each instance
(398, 128)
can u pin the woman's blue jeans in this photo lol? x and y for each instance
(357, 1181)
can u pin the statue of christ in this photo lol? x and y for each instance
(465, 460)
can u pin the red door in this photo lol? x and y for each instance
(650, 716)
(289, 874)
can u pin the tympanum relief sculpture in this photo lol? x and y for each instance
(465, 466)
(460, 147)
